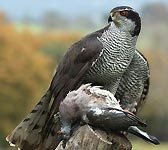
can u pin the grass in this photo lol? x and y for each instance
(142, 145)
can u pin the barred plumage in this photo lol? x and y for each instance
(117, 53)
(134, 84)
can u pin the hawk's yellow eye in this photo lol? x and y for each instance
(123, 13)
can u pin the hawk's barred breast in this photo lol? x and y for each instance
(117, 53)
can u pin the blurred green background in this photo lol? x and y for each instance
(34, 35)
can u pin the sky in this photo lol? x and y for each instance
(18, 8)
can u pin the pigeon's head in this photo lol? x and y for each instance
(126, 19)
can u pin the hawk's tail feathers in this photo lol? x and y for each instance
(27, 135)
(134, 130)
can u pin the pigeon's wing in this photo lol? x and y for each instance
(134, 84)
(112, 119)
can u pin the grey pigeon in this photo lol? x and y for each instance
(99, 108)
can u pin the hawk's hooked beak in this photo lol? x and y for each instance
(112, 17)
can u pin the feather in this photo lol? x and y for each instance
(143, 135)
(28, 133)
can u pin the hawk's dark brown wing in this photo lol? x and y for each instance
(71, 70)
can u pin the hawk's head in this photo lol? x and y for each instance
(126, 19)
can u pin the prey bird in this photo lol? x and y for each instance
(99, 108)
